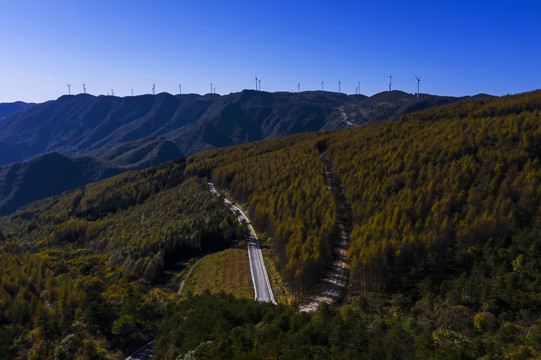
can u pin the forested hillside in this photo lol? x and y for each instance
(88, 274)
(135, 132)
(450, 192)
(446, 206)
(281, 182)
(445, 250)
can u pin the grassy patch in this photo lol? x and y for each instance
(227, 271)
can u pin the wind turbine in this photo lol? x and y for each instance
(339, 86)
(179, 89)
(153, 89)
(298, 87)
(112, 92)
(418, 81)
(322, 85)
(390, 81)
(256, 83)
(69, 89)
(259, 84)
(131, 91)
(84, 88)
(211, 88)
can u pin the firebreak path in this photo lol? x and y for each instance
(333, 287)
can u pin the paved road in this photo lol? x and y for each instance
(260, 278)
(143, 353)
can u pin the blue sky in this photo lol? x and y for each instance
(457, 47)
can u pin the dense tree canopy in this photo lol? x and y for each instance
(282, 184)
(446, 208)
(84, 275)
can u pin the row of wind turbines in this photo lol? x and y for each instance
(418, 78)
(258, 87)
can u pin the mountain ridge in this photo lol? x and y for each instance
(128, 133)
(8, 108)
(76, 125)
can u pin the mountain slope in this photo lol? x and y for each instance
(425, 192)
(89, 274)
(141, 131)
(47, 175)
(53, 173)
(81, 124)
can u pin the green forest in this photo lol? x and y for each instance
(445, 247)
(282, 185)
(88, 275)
(445, 205)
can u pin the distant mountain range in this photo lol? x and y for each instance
(118, 134)
(8, 108)
(76, 125)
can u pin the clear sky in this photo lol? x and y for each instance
(457, 47)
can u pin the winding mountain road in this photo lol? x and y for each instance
(260, 277)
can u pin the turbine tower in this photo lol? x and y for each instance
(256, 83)
(211, 88)
(390, 81)
(359, 87)
(131, 91)
(298, 87)
(259, 84)
(112, 92)
(418, 81)
(84, 88)
(180, 89)
(153, 89)
(322, 85)
(339, 86)
(69, 89)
